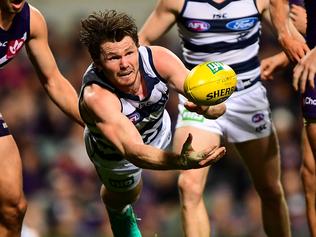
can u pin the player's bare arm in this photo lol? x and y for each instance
(165, 62)
(162, 18)
(292, 44)
(117, 128)
(57, 87)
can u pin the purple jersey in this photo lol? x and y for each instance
(311, 23)
(309, 97)
(13, 39)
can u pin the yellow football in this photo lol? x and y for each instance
(210, 83)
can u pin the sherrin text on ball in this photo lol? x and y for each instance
(210, 83)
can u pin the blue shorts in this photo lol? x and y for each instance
(4, 130)
(309, 104)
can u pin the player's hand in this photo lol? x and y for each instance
(299, 18)
(294, 48)
(209, 112)
(305, 71)
(191, 159)
(271, 64)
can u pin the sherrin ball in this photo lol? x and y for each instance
(210, 83)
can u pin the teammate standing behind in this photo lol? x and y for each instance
(122, 101)
(304, 81)
(22, 24)
(226, 31)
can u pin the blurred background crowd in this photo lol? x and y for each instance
(60, 183)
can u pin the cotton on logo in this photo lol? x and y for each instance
(309, 101)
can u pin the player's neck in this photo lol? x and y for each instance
(6, 20)
(219, 1)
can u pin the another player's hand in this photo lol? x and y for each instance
(305, 71)
(299, 18)
(191, 159)
(271, 64)
(210, 112)
(294, 48)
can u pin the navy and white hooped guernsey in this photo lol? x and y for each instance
(13, 39)
(228, 32)
(148, 115)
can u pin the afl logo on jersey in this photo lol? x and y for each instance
(199, 26)
(242, 24)
(134, 117)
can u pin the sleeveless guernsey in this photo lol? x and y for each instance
(13, 39)
(148, 114)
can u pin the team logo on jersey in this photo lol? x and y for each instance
(134, 117)
(197, 25)
(242, 24)
(14, 47)
(257, 117)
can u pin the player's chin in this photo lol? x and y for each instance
(17, 5)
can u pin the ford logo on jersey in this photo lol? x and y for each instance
(196, 25)
(242, 24)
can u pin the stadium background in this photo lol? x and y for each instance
(59, 180)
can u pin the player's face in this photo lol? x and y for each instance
(119, 62)
(11, 6)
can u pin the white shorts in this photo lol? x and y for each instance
(122, 175)
(247, 116)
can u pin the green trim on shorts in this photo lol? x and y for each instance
(186, 115)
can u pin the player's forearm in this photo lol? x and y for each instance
(65, 97)
(279, 12)
(149, 157)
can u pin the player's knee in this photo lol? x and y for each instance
(189, 188)
(12, 212)
(270, 192)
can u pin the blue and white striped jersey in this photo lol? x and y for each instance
(228, 32)
(148, 114)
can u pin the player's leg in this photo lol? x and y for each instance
(308, 174)
(191, 183)
(12, 201)
(262, 158)
(121, 215)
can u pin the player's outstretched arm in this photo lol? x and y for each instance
(57, 87)
(121, 132)
(171, 68)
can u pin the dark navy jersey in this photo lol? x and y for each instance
(311, 23)
(13, 39)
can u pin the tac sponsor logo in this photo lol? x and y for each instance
(309, 101)
(187, 115)
(242, 24)
(197, 25)
(257, 118)
(124, 183)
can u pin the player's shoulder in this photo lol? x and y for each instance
(38, 23)
(172, 5)
(262, 5)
